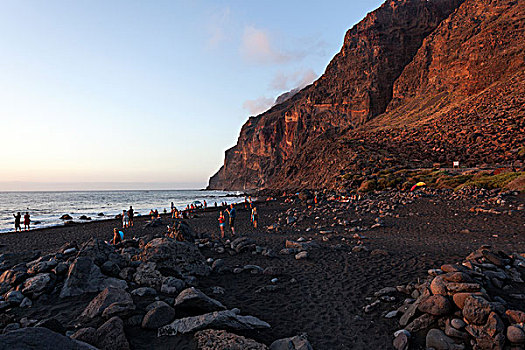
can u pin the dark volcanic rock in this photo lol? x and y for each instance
(85, 277)
(39, 338)
(194, 301)
(176, 258)
(105, 298)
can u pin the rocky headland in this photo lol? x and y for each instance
(417, 84)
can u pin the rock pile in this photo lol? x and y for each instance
(472, 304)
(146, 283)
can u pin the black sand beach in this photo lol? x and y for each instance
(325, 294)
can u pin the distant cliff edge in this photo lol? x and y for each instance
(416, 83)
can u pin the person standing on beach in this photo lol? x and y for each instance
(255, 217)
(27, 221)
(18, 218)
(222, 221)
(125, 219)
(131, 213)
(232, 213)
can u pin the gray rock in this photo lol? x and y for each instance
(38, 285)
(172, 285)
(14, 297)
(180, 258)
(11, 327)
(26, 303)
(211, 339)
(61, 269)
(401, 342)
(144, 291)
(437, 340)
(100, 252)
(121, 309)
(39, 338)
(86, 335)
(227, 319)
(52, 324)
(301, 255)
(110, 268)
(148, 276)
(243, 244)
(104, 299)
(111, 335)
(299, 342)
(159, 316)
(194, 301)
(85, 277)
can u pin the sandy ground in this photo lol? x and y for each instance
(324, 295)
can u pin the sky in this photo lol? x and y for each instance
(127, 94)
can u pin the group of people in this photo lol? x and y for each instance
(232, 214)
(128, 215)
(18, 219)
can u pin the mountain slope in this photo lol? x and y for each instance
(416, 82)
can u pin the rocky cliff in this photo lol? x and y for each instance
(416, 82)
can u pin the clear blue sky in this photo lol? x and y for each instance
(148, 93)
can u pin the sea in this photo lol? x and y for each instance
(46, 208)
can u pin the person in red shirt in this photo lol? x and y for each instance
(222, 221)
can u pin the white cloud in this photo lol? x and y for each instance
(296, 80)
(257, 47)
(258, 106)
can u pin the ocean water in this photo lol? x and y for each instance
(46, 208)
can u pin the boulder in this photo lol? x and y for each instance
(438, 340)
(147, 275)
(41, 266)
(424, 321)
(299, 342)
(436, 305)
(144, 291)
(100, 252)
(476, 310)
(192, 300)
(211, 339)
(227, 319)
(104, 299)
(39, 338)
(110, 268)
(41, 283)
(120, 309)
(14, 297)
(52, 324)
(158, 316)
(86, 335)
(515, 316)
(243, 244)
(438, 286)
(172, 285)
(13, 277)
(490, 335)
(111, 336)
(516, 335)
(85, 277)
(175, 258)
